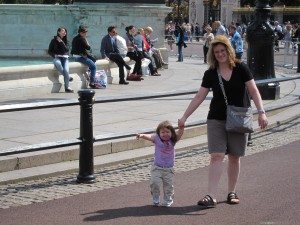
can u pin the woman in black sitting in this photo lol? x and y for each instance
(132, 51)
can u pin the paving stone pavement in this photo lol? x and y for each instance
(47, 189)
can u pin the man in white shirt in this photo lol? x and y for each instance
(220, 28)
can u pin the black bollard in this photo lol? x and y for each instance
(260, 38)
(86, 154)
(298, 64)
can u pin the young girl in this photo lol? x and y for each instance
(162, 169)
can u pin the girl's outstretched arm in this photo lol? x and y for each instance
(147, 137)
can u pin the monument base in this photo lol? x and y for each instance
(269, 91)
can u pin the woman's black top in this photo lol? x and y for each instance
(58, 48)
(234, 89)
(79, 46)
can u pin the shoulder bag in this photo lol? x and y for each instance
(239, 119)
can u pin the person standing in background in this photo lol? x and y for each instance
(180, 42)
(236, 42)
(208, 37)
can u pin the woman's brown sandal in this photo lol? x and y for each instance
(232, 198)
(207, 201)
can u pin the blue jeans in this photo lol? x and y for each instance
(180, 53)
(92, 66)
(62, 65)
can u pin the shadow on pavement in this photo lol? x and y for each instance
(144, 211)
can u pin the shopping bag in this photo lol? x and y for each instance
(101, 78)
(145, 64)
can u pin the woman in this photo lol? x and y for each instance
(132, 50)
(236, 77)
(80, 50)
(208, 37)
(59, 50)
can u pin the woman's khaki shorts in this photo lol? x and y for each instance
(222, 141)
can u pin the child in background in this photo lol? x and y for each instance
(162, 171)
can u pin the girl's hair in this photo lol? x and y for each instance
(167, 124)
(129, 28)
(212, 61)
(65, 39)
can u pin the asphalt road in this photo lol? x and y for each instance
(268, 189)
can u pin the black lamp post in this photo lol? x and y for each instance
(260, 58)
(178, 11)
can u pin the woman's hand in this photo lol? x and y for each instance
(262, 120)
(181, 122)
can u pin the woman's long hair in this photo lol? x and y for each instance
(65, 39)
(211, 59)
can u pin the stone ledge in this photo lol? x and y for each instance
(36, 80)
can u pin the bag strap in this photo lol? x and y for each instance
(246, 100)
(222, 87)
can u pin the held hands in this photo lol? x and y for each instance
(181, 122)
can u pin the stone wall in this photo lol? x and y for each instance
(26, 30)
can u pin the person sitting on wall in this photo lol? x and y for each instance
(110, 51)
(80, 49)
(155, 52)
(59, 50)
(132, 49)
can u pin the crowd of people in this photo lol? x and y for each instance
(136, 44)
(178, 34)
(288, 33)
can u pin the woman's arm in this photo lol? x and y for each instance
(253, 91)
(194, 104)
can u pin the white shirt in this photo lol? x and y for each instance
(121, 43)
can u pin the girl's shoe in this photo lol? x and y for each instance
(156, 201)
(167, 203)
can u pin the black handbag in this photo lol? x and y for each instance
(92, 57)
(239, 119)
